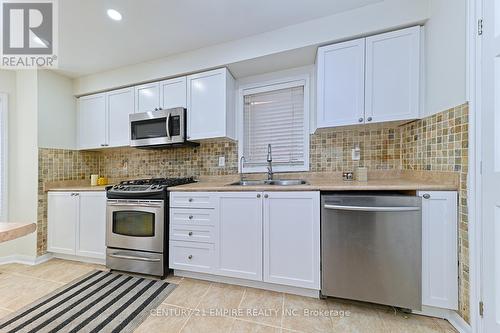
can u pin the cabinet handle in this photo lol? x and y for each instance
(190, 217)
(190, 233)
(190, 256)
(369, 119)
(104, 145)
(360, 120)
(427, 196)
(190, 199)
(258, 195)
(266, 196)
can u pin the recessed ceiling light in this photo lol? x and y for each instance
(114, 14)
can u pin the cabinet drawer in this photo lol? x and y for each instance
(192, 233)
(181, 216)
(195, 257)
(192, 200)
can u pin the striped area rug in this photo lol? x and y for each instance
(97, 302)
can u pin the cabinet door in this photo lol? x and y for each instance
(62, 219)
(393, 76)
(92, 121)
(240, 235)
(173, 93)
(292, 238)
(439, 249)
(206, 105)
(120, 105)
(91, 229)
(341, 84)
(147, 97)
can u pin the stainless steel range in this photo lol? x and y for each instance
(137, 225)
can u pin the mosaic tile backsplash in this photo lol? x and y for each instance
(435, 143)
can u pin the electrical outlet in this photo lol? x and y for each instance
(356, 154)
(222, 161)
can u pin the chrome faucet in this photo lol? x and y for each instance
(242, 160)
(270, 163)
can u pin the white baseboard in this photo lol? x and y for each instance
(249, 283)
(25, 260)
(451, 316)
(79, 258)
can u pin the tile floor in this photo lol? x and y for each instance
(199, 306)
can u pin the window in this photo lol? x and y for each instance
(3, 157)
(275, 114)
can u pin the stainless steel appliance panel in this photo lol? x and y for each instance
(135, 224)
(135, 261)
(160, 127)
(372, 249)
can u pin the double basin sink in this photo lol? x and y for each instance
(277, 182)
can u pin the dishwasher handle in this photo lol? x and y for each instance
(372, 209)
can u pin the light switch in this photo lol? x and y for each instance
(222, 161)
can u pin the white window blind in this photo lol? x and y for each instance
(274, 117)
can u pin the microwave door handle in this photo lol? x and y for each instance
(168, 126)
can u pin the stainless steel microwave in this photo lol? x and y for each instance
(158, 128)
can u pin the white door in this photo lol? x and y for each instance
(173, 93)
(92, 121)
(393, 76)
(341, 84)
(91, 228)
(490, 122)
(292, 239)
(206, 105)
(439, 249)
(120, 105)
(240, 235)
(62, 213)
(147, 97)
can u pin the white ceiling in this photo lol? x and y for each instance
(90, 42)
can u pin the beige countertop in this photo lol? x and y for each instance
(10, 231)
(379, 181)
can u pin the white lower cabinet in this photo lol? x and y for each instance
(77, 223)
(260, 236)
(240, 235)
(292, 239)
(439, 249)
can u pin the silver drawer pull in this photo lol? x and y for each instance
(190, 217)
(120, 256)
(372, 209)
(190, 256)
(190, 233)
(427, 196)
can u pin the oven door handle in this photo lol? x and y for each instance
(371, 209)
(121, 256)
(168, 126)
(118, 204)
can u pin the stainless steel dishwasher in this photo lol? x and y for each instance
(371, 248)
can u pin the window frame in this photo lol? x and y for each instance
(4, 112)
(267, 86)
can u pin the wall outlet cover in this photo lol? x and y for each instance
(222, 161)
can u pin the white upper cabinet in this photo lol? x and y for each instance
(341, 74)
(369, 80)
(92, 121)
(210, 109)
(292, 239)
(147, 97)
(393, 76)
(439, 249)
(120, 104)
(240, 235)
(173, 93)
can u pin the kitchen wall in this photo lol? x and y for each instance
(435, 143)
